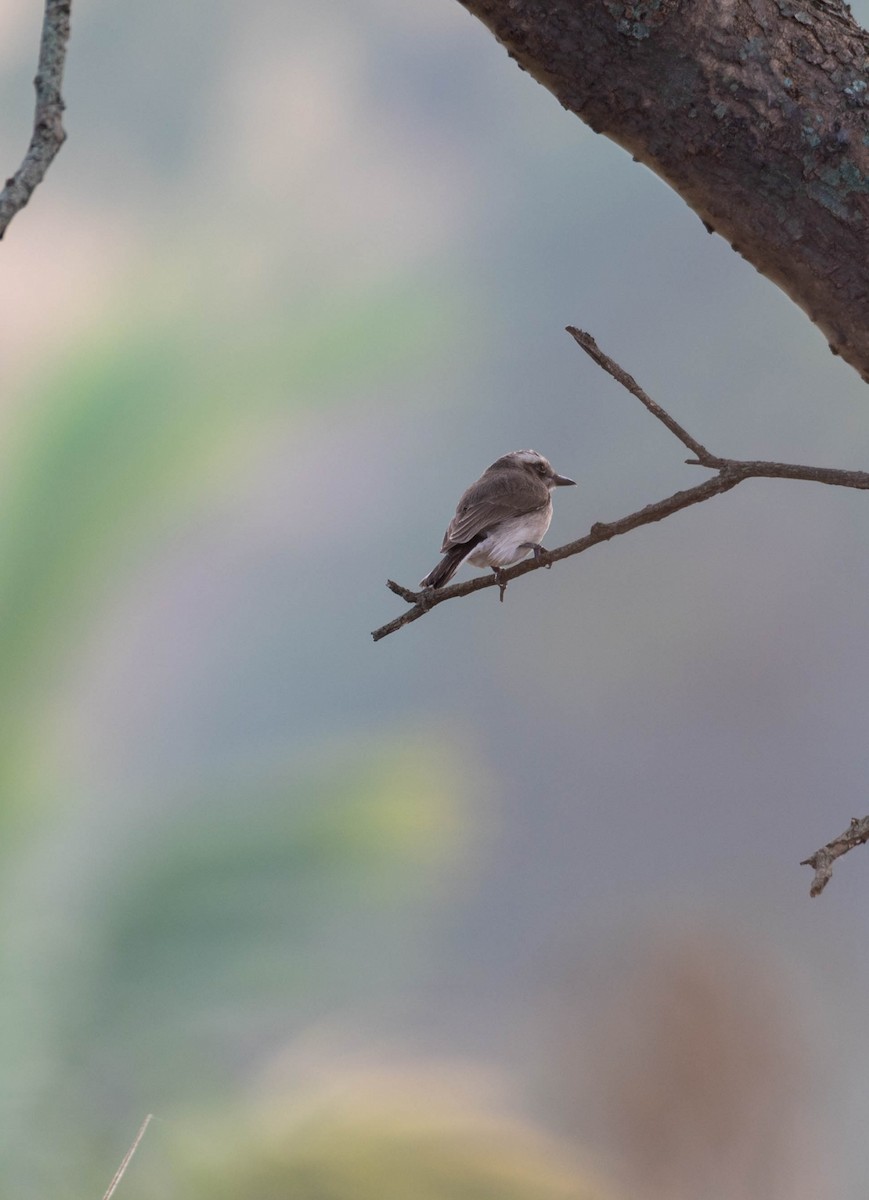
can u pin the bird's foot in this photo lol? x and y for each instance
(541, 554)
(502, 581)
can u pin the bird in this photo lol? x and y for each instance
(501, 518)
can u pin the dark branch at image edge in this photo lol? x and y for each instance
(48, 132)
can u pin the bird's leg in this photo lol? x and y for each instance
(541, 554)
(501, 576)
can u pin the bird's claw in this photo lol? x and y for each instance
(541, 555)
(502, 582)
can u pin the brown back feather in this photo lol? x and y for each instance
(506, 492)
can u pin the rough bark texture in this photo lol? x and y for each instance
(755, 111)
(48, 133)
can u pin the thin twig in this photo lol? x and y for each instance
(590, 346)
(857, 834)
(776, 470)
(128, 1157)
(729, 473)
(48, 132)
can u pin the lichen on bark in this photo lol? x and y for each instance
(755, 111)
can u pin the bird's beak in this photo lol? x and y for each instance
(563, 481)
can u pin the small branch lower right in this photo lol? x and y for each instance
(857, 834)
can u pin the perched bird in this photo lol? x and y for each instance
(501, 518)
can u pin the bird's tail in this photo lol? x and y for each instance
(446, 568)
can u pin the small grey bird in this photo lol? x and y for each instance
(501, 518)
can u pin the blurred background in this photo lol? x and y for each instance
(508, 904)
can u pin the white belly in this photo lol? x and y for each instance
(509, 543)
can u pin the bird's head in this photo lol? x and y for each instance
(535, 464)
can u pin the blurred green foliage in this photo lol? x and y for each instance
(233, 900)
(225, 909)
(137, 934)
(124, 433)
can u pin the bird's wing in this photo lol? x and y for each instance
(485, 504)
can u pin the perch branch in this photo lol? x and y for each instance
(599, 532)
(48, 132)
(857, 834)
(729, 473)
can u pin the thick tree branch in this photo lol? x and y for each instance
(48, 133)
(755, 111)
(729, 473)
(857, 834)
